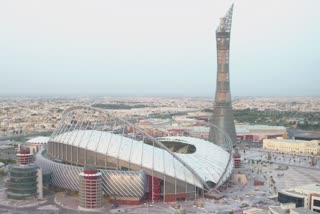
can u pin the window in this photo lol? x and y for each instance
(316, 203)
(282, 198)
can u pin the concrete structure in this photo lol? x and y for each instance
(24, 156)
(133, 164)
(292, 146)
(22, 182)
(36, 144)
(304, 135)
(90, 189)
(307, 196)
(301, 210)
(289, 208)
(222, 113)
(255, 211)
(237, 159)
(256, 133)
(25, 178)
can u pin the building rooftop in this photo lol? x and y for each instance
(306, 134)
(292, 141)
(313, 188)
(253, 129)
(304, 190)
(302, 210)
(278, 210)
(255, 211)
(39, 140)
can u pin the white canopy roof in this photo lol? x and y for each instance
(209, 161)
(39, 140)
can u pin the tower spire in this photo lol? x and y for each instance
(222, 116)
(226, 21)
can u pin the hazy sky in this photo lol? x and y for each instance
(157, 47)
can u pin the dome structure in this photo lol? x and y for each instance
(174, 167)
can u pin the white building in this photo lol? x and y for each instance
(307, 196)
(36, 144)
(292, 146)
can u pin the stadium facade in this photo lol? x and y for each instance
(134, 166)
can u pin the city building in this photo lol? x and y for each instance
(35, 144)
(307, 196)
(305, 135)
(222, 116)
(256, 133)
(134, 166)
(255, 211)
(253, 133)
(292, 146)
(25, 178)
(289, 208)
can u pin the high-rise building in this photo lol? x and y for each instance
(222, 113)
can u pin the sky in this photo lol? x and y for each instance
(157, 48)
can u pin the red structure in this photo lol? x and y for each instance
(175, 197)
(90, 189)
(154, 188)
(237, 159)
(257, 137)
(24, 156)
(258, 183)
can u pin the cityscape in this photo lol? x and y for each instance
(135, 150)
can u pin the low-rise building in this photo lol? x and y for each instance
(35, 144)
(254, 210)
(289, 208)
(307, 196)
(257, 133)
(292, 146)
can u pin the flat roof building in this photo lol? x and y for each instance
(255, 211)
(307, 196)
(289, 208)
(292, 146)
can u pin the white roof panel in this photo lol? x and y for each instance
(39, 140)
(209, 161)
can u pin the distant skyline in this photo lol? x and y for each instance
(157, 48)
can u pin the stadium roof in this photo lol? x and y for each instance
(209, 161)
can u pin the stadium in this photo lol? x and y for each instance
(134, 165)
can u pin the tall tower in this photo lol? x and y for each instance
(222, 113)
(90, 189)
